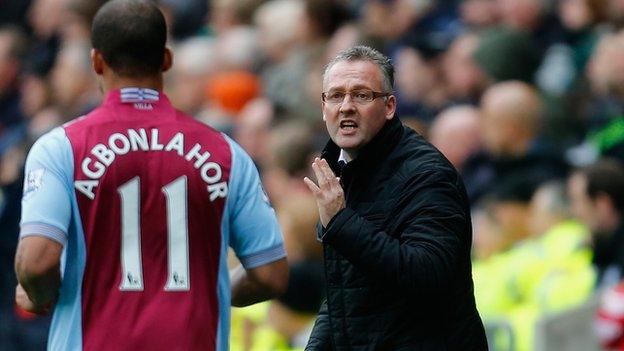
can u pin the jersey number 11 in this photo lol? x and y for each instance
(177, 235)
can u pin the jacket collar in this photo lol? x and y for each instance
(377, 149)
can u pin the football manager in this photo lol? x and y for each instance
(394, 223)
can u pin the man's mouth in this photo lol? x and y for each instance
(348, 126)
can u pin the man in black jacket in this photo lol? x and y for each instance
(395, 224)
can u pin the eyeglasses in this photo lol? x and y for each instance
(361, 97)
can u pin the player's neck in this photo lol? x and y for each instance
(114, 82)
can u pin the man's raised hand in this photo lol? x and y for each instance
(328, 193)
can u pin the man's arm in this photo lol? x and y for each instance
(37, 265)
(258, 284)
(255, 235)
(424, 258)
(434, 236)
(46, 214)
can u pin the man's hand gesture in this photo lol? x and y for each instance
(329, 194)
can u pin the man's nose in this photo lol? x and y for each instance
(347, 104)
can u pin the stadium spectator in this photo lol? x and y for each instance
(291, 148)
(506, 54)
(13, 47)
(78, 95)
(513, 151)
(456, 132)
(603, 117)
(286, 72)
(195, 62)
(45, 17)
(186, 17)
(465, 82)
(227, 14)
(278, 23)
(76, 24)
(597, 199)
(502, 218)
(546, 270)
(582, 20)
(420, 93)
(253, 128)
(534, 18)
(142, 223)
(479, 14)
(237, 49)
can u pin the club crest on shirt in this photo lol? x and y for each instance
(33, 181)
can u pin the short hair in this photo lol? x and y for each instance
(366, 53)
(131, 35)
(606, 176)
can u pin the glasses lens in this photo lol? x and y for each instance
(358, 96)
(335, 97)
(362, 96)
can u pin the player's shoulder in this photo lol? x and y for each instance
(53, 140)
(86, 120)
(52, 151)
(239, 154)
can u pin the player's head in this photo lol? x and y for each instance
(129, 36)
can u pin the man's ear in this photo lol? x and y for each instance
(390, 107)
(168, 60)
(97, 62)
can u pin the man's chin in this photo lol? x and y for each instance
(349, 145)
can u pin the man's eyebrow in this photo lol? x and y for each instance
(355, 87)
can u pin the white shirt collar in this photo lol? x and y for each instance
(344, 157)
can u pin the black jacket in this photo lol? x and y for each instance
(609, 256)
(397, 258)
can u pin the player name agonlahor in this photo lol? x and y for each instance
(135, 140)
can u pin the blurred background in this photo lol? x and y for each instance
(524, 97)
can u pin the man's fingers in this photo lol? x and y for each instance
(313, 188)
(320, 174)
(336, 184)
(328, 187)
(332, 180)
(329, 174)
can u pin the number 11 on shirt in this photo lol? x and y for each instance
(177, 229)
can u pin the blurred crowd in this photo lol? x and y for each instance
(524, 97)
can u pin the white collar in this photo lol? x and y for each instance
(344, 157)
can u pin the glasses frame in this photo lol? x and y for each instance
(376, 94)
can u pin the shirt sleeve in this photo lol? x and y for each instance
(46, 199)
(255, 233)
